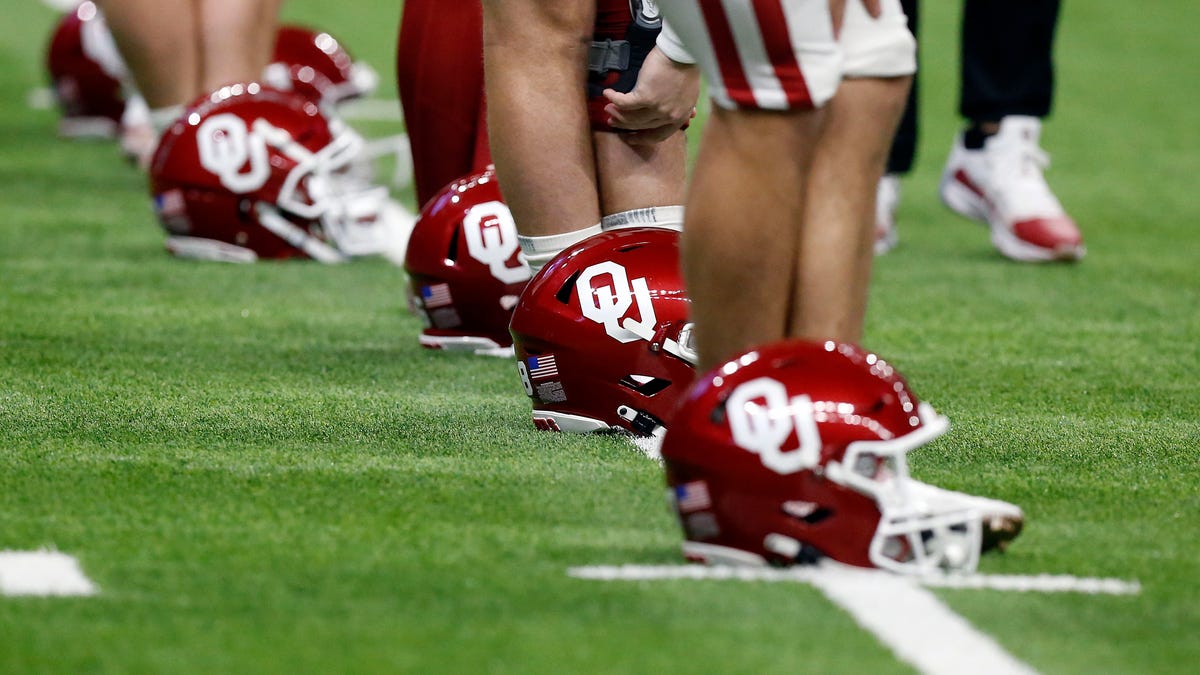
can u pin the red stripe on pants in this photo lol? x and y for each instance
(773, 24)
(725, 49)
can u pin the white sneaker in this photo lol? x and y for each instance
(887, 198)
(1002, 185)
(1002, 521)
(137, 136)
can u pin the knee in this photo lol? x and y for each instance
(535, 26)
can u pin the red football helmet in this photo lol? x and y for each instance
(464, 267)
(796, 451)
(316, 65)
(250, 172)
(602, 335)
(88, 74)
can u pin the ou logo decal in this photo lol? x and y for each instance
(226, 145)
(608, 304)
(492, 240)
(761, 418)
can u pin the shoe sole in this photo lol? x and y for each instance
(966, 202)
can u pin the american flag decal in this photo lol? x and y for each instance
(170, 203)
(692, 496)
(437, 295)
(541, 367)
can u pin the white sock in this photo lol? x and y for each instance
(540, 250)
(669, 217)
(162, 118)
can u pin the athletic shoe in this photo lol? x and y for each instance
(1002, 185)
(887, 198)
(1002, 521)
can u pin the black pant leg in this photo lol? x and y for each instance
(1007, 58)
(904, 145)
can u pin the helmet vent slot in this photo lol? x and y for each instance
(811, 515)
(564, 294)
(645, 388)
(452, 254)
(718, 414)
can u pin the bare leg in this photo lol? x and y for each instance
(744, 209)
(634, 177)
(836, 247)
(238, 37)
(158, 39)
(535, 57)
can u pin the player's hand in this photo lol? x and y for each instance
(662, 101)
(837, 9)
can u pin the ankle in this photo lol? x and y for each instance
(977, 133)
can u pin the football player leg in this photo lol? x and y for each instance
(900, 158)
(178, 49)
(745, 207)
(836, 244)
(157, 38)
(534, 54)
(557, 178)
(236, 38)
(439, 73)
(741, 234)
(639, 183)
(837, 241)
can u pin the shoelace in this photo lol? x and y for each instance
(1020, 164)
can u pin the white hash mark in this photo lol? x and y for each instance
(43, 573)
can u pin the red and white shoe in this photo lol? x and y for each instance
(1002, 185)
(887, 199)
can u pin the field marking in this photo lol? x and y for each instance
(40, 98)
(907, 618)
(43, 573)
(363, 109)
(919, 628)
(371, 110)
(1042, 583)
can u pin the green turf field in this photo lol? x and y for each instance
(263, 472)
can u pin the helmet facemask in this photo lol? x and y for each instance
(351, 211)
(913, 537)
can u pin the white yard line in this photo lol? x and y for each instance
(43, 573)
(918, 628)
(371, 110)
(1044, 583)
(906, 617)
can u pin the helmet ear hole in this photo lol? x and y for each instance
(246, 210)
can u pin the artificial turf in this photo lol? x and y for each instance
(264, 472)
